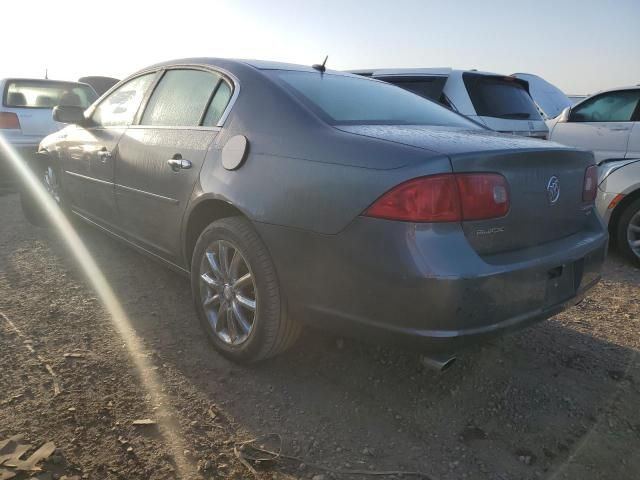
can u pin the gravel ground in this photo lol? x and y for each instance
(558, 400)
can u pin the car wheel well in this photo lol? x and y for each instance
(620, 208)
(202, 216)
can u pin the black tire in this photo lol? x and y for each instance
(31, 207)
(630, 212)
(273, 331)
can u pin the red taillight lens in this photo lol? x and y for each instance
(590, 188)
(9, 120)
(425, 199)
(483, 195)
(445, 198)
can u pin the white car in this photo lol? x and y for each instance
(25, 113)
(608, 123)
(499, 102)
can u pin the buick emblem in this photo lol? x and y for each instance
(553, 190)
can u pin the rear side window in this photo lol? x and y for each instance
(47, 94)
(500, 97)
(345, 100)
(180, 99)
(121, 106)
(218, 105)
(608, 107)
(427, 87)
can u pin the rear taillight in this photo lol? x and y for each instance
(9, 120)
(590, 188)
(445, 198)
(483, 195)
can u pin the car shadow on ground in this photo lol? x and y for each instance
(523, 404)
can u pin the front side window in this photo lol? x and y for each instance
(345, 100)
(500, 97)
(180, 99)
(47, 94)
(608, 107)
(121, 106)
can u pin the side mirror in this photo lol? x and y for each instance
(564, 115)
(69, 114)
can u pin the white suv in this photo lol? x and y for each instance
(499, 102)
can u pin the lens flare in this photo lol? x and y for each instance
(165, 418)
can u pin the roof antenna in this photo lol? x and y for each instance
(321, 68)
(46, 73)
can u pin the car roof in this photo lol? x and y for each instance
(258, 64)
(42, 80)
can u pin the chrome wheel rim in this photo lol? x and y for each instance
(51, 184)
(228, 292)
(633, 234)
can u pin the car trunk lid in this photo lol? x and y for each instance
(545, 192)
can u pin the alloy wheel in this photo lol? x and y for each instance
(633, 234)
(51, 184)
(228, 292)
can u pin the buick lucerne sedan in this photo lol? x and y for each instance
(293, 195)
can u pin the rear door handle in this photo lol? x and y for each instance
(178, 164)
(619, 129)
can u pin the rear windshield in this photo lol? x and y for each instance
(344, 100)
(427, 87)
(46, 94)
(500, 97)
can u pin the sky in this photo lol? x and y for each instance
(580, 46)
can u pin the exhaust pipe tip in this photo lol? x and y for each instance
(439, 363)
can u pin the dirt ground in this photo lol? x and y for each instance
(558, 400)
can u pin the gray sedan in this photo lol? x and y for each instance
(293, 195)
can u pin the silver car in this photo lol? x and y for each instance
(618, 203)
(25, 113)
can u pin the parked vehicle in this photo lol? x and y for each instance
(25, 114)
(618, 203)
(499, 102)
(291, 194)
(606, 123)
(551, 101)
(100, 84)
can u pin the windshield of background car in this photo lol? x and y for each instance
(345, 100)
(500, 97)
(46, 94)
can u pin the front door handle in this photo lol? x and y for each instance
(619, 129)
(178, 163)
(104, 155)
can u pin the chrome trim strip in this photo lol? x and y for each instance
(135, 245)
(163, 127)
(90, 179)
(155, 196)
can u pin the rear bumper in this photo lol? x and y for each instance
(423, 285)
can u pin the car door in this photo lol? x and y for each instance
(91, 152)
(601, 123)
(160, 157)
